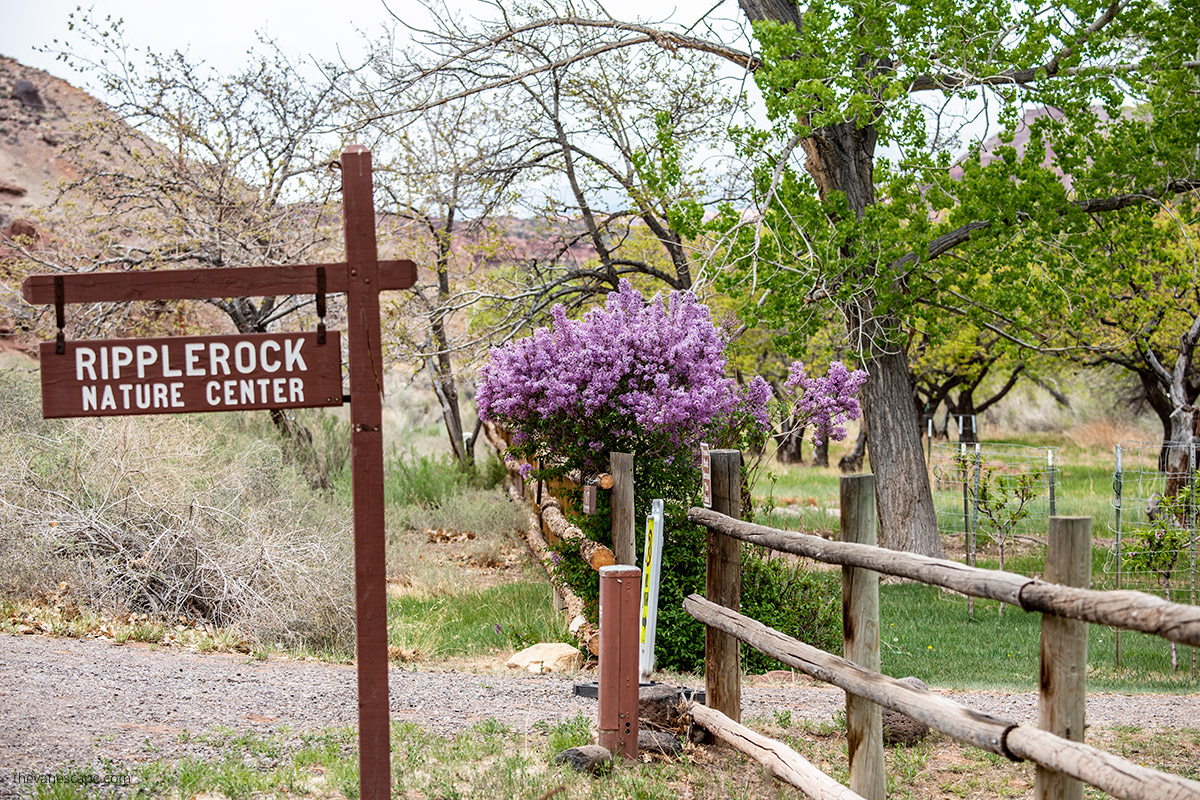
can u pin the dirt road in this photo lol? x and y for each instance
(68, 703)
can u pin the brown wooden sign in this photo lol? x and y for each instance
(186, 374)
(226, 373)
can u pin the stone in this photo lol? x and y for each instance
(590, 758)
(900, 728)
(22, 228)
(658, 706)
(11, 189)
(660, 742)
(28, 94)
(547, 657)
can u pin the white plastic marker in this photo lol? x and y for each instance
(650, 573)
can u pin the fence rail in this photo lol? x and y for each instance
(1056, 748)
(1131, 610)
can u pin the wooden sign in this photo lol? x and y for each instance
(589, 499)
(706, 474)
(186, 374)
(226, 373)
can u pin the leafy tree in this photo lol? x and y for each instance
(1145, 317)
(844, 229)
(198, 169)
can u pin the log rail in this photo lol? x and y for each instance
(1064, 761)
(1130, 610)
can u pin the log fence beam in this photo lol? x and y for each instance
(1110, 773)
(1130, 610)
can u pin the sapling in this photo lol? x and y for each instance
(1158, 547)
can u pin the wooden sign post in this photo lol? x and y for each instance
(176, 375)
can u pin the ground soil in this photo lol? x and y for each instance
(70, 703)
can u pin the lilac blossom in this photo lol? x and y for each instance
(826, 402)
(637, 375)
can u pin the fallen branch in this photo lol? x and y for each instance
(777, 758)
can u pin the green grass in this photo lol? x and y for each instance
(488, 760)
(474, 623)
(925, 632)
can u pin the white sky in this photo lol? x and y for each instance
(220, 31)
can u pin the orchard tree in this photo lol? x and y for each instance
(1145, 317)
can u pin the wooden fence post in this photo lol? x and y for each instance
(860, 629)
(620, 466)
(620, 593)
(723, 585)
(1063, 690)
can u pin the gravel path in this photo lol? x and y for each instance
(69, 702)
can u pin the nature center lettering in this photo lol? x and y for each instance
(189, 374)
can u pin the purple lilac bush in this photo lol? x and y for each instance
(646, 377)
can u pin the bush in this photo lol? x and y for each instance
(805, 604)
(171, 516)
(649, 378)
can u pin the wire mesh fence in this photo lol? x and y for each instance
(1153, 522)
(989, 495)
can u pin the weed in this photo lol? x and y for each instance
(574, 732)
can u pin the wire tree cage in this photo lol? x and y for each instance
(1153, 521)
(991, 495)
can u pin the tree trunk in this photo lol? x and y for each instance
(821, 454)
(853, 461)
(906, 517)
(791, 445)
(440, 368)
(841, 160)
(1178, 451)
(963, 412)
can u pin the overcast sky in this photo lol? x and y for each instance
(220, 31)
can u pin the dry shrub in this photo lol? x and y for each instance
(170, 517)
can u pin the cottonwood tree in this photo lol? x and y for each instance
(859, 207)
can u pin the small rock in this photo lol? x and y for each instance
(659, 742)
(658, 706)
(12, 189)
(547, 657)
(589, 758)
(29, 96)
(901, 729)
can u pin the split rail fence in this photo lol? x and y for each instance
(1064, 763)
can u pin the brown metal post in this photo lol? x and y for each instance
(723, 585)
(366, 416)
(1063, 673)
(860, 631)
(620, 588)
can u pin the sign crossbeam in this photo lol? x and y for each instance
(201, 284)
(218, 373)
